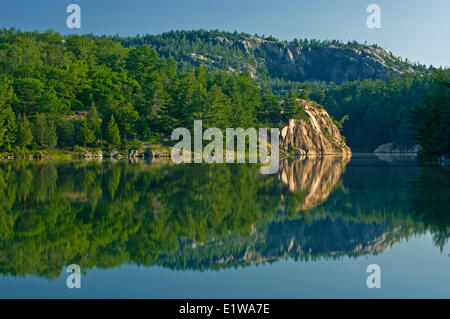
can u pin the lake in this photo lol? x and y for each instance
(141, 229)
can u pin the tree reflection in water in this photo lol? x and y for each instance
(209, 216)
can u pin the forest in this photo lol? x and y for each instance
(430, 121)
(64, 92)
(60, 92)
(233, 51)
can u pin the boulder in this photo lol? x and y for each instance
(315, 135)
(134, 153)
(396, 147)
(114, 154)
(86, 154)
(156, 153)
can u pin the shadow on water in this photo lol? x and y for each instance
(211, 216)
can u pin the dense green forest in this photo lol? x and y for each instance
(110, 92)
(378, 110)
(61, 92)
(430, 120)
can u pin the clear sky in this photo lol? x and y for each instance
(415, 29)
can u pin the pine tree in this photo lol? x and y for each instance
(7, 116)
(94, 122)
(87, 135)
(290, 106)
(112, 133)
(66, 132)
(50, 138)
(9, 126)
(24, 136)
(217, 112)
(306, 91)
(269, 110)
(44, 132)
(431, 120)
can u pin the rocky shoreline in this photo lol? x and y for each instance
(133, 153)
(159, 152)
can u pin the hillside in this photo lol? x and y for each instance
(369, 86)
(298, 60)
(132, 94)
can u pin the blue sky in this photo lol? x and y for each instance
(415, 29)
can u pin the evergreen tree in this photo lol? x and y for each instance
(112, 133)
(65, 130)
(293, 109)
(290, 106)
(217, 113)
(44, 132)
(306, 91)
(24, 135)
(269, 110)
(431, 120)
(94, 122)
(87, 136)
(7, 116)
(8, 126)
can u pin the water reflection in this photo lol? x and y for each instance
(315, 176)
(430, 202)
(210, 216)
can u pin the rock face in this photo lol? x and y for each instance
(349, 64)
(295, 61)
(317, 135)
(395, 147)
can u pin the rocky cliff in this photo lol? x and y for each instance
(308, 63)
(304, 60)
(317, 134)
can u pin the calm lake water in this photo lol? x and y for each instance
(158, 230)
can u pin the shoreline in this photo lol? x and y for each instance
(153, 151)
